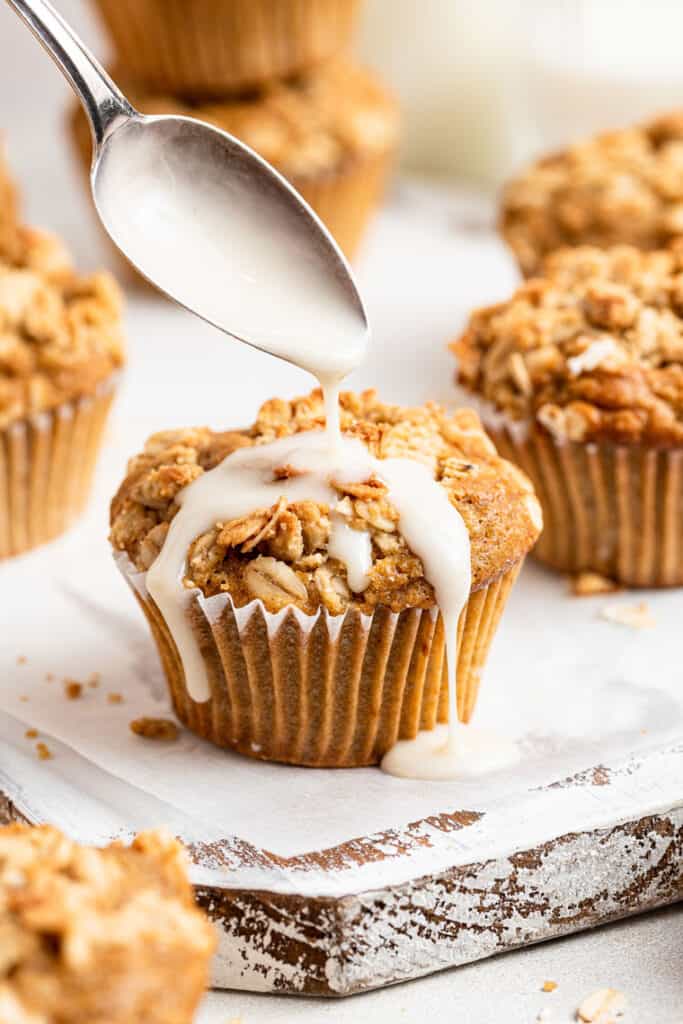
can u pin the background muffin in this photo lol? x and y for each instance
(332, 134)
(582, 375)
(61, 346)
(621, 187)
(215, 47)
(341, 684)
(94, 935)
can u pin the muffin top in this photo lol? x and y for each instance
(307, 126)
(280, 554)
(60, 334)
(622, 187)
(591, 351)
(65, 908)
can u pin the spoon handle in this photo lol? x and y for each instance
(104, 103)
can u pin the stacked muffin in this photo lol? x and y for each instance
(580, 373)
(275, 76)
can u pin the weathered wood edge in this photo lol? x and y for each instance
(336, 947)
(339, 946)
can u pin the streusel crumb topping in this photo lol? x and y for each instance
(622, 187)
(108, 935)
(306, 126)
(593, 351)
(60, 334)
(280, 554)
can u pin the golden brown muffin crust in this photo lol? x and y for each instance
(593, 351)
(279, 554)
(60, 334)
(620, 187)
(103, 936)
(306, 127)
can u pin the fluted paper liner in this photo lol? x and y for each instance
(322, 690)
(344, 198)
(46, 468)
(612, 509)
(210, 48)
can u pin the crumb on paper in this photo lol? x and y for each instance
(44, 752)
(155, 728)
(49, 677)
(21, 660)
(544, 1016)
(636, 616)
(605, 1006)
(548, 986)
(94, 680)
(24, 699)
(31, 734)
(72, 689)
(588, 584)
(115, 698)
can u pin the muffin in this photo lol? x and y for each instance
(302, 669)
(60, 351)
(332, 134)
(217, 47)
(581, 376)
(624, 187)
(108, 935)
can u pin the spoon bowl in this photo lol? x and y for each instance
(210, 223)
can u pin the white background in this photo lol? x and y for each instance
(181, 372)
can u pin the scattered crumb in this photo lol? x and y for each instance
(548, 986)
(31, 734)
(72, 689)
(44, 752)
(21, 660)
(115, 698)
(49, 676)
(602, 1007)
(587, 584)
(544, 1016)
(154, 728)
(94, 680)
(24, 699)
(636, 616)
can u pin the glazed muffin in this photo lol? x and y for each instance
(622, 187)
(301, 668)
(107, 936)
(332, 134)
(581, 373)
(61, 347)
(217, 47)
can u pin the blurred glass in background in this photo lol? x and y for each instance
(488, 84)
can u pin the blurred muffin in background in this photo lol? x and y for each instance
(203, 48)
(621, 187)
(331, 133)
(61, 347)
(9, 210)
(580, 376)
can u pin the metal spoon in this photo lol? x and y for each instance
(209, 222)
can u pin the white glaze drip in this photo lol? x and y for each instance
(451, 751)
(354, 549)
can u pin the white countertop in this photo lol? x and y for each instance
(192, 371)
